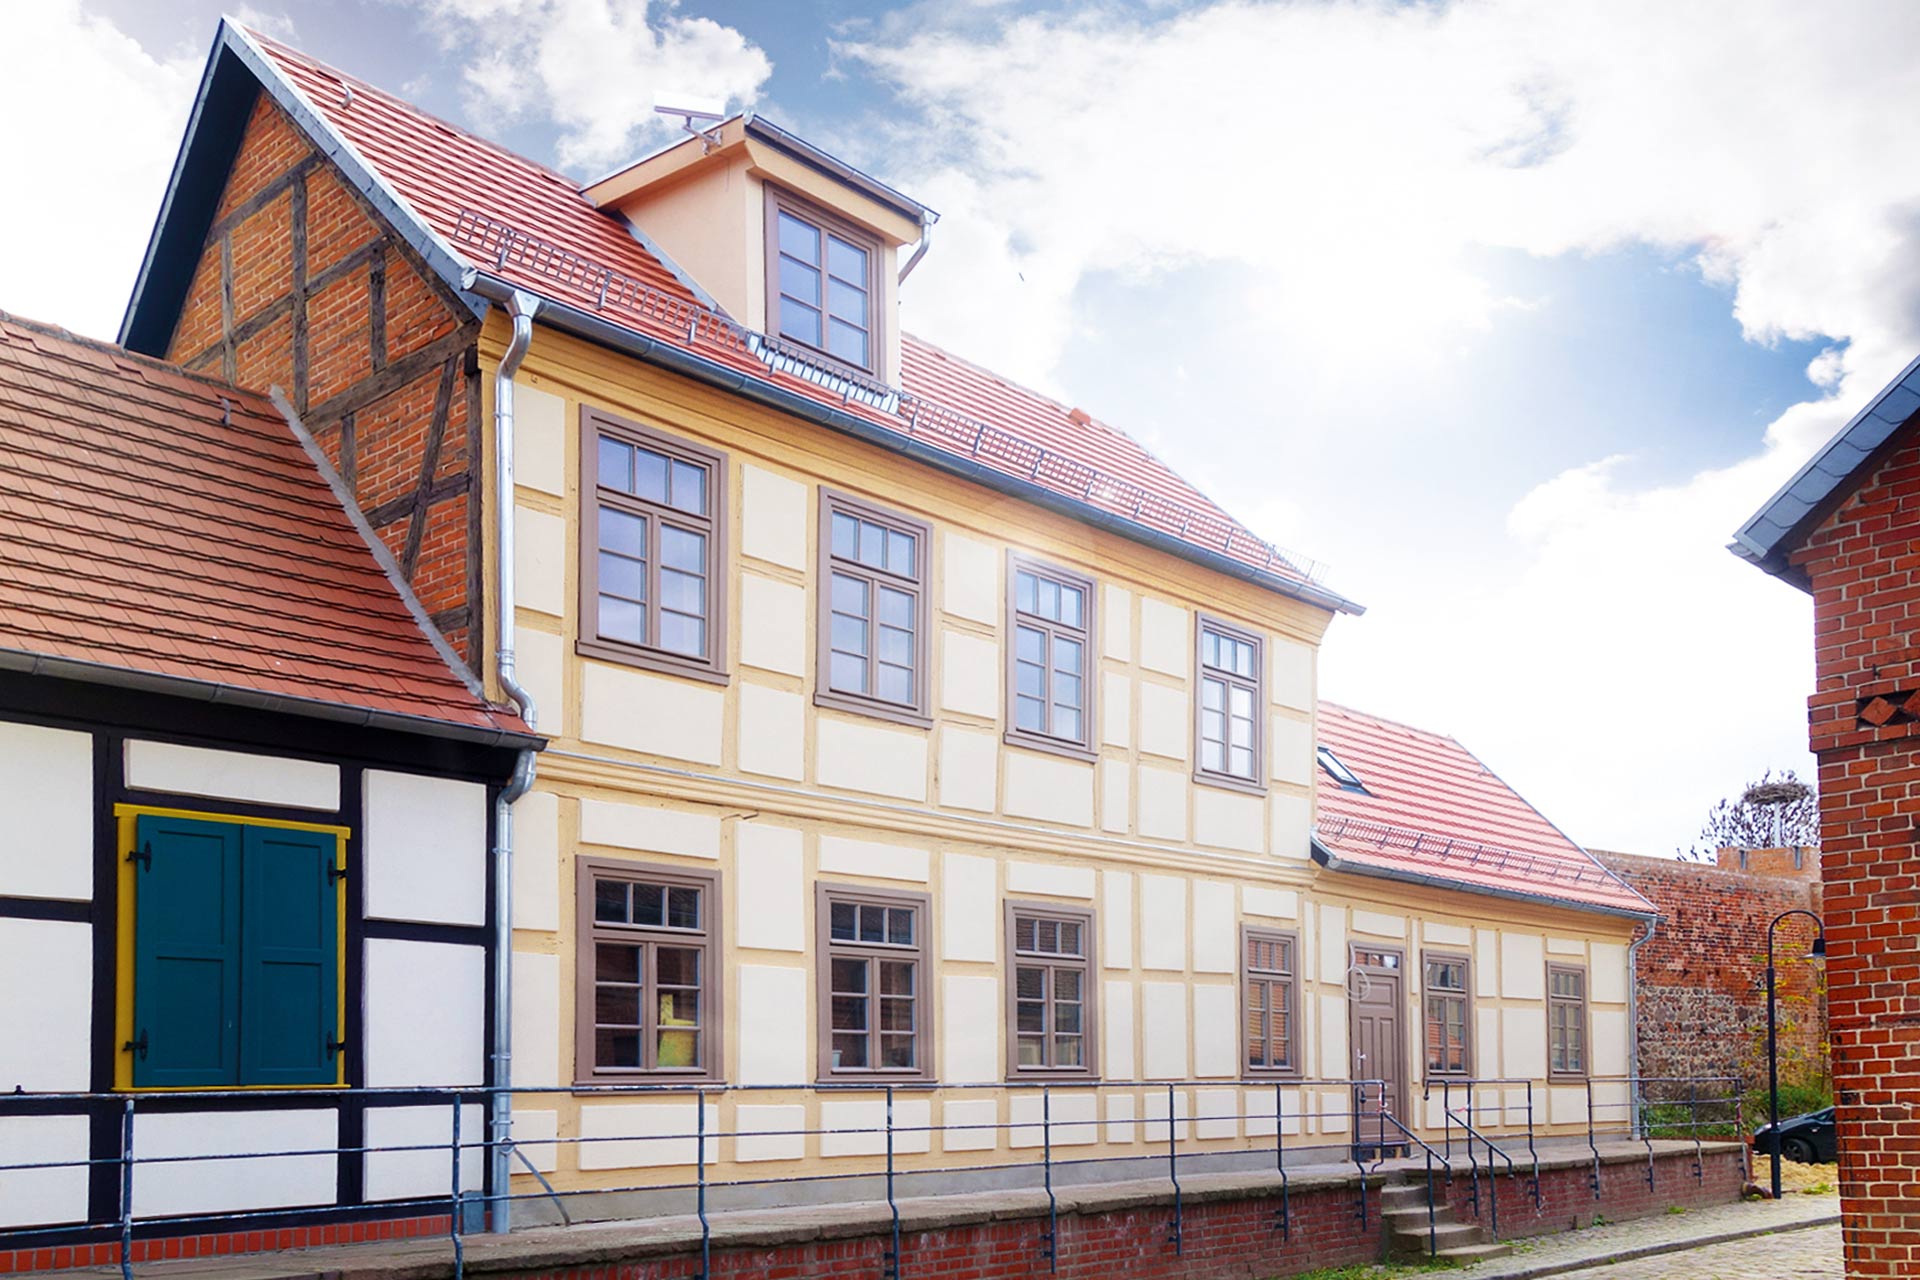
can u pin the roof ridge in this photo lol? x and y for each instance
(151, 362)
(329, 68)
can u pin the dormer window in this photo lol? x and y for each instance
(1338, 771)
(821, 282)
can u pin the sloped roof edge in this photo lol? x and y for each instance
(1771, 534)
(1334, 862)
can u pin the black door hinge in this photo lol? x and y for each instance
(142, 855)
(336, 874)
(335, 1047)
(137, 1046)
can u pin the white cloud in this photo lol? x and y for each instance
(592, 67)
(1353, 162)
(86, 169)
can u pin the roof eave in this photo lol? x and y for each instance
(805, 152)
(584, 324)
(1772, 533)
(212, 691)
(1334, 862)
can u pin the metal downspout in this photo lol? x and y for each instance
(1633, 1014)
(522, 307)
(920, 251)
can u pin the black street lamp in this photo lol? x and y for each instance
(1773, 1046)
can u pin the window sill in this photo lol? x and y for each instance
(1038, 1076)
(912, 717)
(650, 660)
(1051, 746)
(645, 1079)
(1274, 1075)
(1227, 782)
(854, 1082)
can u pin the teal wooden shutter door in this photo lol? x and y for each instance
(289, 958)
(186, 952)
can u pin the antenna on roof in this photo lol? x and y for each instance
(691, 107)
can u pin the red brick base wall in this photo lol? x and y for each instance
(208, 1246)
(1567, 1200)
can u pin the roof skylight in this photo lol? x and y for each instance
(1339, 771)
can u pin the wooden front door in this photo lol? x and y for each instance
(1376, 1014)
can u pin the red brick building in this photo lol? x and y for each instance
(1846, 529)
(1701, 1007)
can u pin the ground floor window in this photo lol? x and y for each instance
(1446, 1004)
(232, 933)
(1050, 1003)
(1566, 1020)
(1267, 974)
(875, 1004)
(646, 988)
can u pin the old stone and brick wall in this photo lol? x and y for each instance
(1864, 566)
(301, 286)
(1702, 977)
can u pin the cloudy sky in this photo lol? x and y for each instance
(1509, 312)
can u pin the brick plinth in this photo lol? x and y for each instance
(1863, 564)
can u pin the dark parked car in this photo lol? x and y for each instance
(1807, 1139)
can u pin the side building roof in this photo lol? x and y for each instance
(488, 220)
(1427, 811)
(166, 531)
(1772, 534)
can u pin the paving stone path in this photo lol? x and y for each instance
(1794, 1251)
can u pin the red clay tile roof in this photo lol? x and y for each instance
(1431, 809)
(161, 523)
(477, 198)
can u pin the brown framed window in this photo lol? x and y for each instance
(1050, 663)
(647, 988)
(823, 280)
(1271, 1028)
(1231, 707)
(652, 548)
(1050, 1004)
(873, 612)
(876, 997)
(1447, 1013)
(1566, 1020)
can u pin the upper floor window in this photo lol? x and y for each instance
(1232, 693)
(1446, 1015)
(1566, 1020)
(875, 1001)
(645, 986)
(654, 519)
(822, 280)
(1273, 1044)
(873, 618)
(1050, 1007)
(1049, 686)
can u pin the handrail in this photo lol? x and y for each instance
(1433, 1229)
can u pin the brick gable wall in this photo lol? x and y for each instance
(301, 286)
(1864, 718)
(1702, 977)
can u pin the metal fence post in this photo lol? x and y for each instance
(454, 1205)
(1173, 1171)
(893, 1206)
(126, 1191)
(1592, 1146)
(700, 1137)
(1052, 1236)
(1280, 1162)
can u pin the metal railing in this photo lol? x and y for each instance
(1464, 1117)
(1354, 1123)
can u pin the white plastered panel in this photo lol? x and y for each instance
(773, 732)
(43, 1197)
(657, 715)
(1163, 1015)
(773, 909)
(48, 1017)
(255, 1178)
(536, 862)
(773, 518)
(645, 1134)
(425, 848)
(1163, 922)
(394, 1175)
(231, 775)
(425, 1013)
(46, 791)
(772, 1022)
(862, 757)
(970, 917)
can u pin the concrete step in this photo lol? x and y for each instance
(1467, 1253)
(1400, 1195)
(1414, 1217)
(1407, 1241)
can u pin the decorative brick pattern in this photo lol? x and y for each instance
(1702, 977)
(1864, 566)
(302, 287)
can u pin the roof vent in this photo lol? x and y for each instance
(1079, 417)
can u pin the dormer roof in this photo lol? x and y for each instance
(488, 221)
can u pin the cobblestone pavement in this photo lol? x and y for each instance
(1810, 1254)
(1806, 1253)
